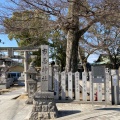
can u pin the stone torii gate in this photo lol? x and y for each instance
(11, 51)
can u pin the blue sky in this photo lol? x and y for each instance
(4, 37)
(7, 42)
(92, 58)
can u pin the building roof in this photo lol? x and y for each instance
(102, 59)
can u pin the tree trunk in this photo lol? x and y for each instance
(115, 62)
(83, 61)
(72, 51)
(72, 37)
(84, 67)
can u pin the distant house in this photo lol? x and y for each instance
(17, 68)
(105, 60)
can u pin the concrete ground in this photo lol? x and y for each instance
(13, 107)
(88, 112)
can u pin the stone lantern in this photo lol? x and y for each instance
(3, 77)
(31, 82)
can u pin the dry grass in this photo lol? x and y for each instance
(4, 91)
(23, 96)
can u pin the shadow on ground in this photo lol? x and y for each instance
(62, 113)
(115, 109)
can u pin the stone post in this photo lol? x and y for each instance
(77, 88)
(63, 85)
(107, 88)
(56, 85)
(43, 104)
(70, 86)
(115, 87)
(52, 74)
(91, 87)
(50, 83)
(84, 87)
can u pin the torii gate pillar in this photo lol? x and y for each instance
(25, 69)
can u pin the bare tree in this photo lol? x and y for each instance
(75, 17)
(104, 39)
(110, 40)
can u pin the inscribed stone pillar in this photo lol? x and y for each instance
(84, 90)
(107, 88)
(56, 85)
(70, 86)
(99, 91)
(44, 67)
(77, 88)
(91, 86)
(50, 79)
(63, 86)
(115, 87)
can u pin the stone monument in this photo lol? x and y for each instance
(43, 102)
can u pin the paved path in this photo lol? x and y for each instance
(89, 112)
(16, 109)
(11, 108)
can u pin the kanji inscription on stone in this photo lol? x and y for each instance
(77, 89)
(108, 78)
(63, 85)
(84, 88)
(44, 67)
(70, 86)
(99, 91)
(56, 85)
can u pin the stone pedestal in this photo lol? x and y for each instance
(43, 106)
(32, 88)
(4, 83)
